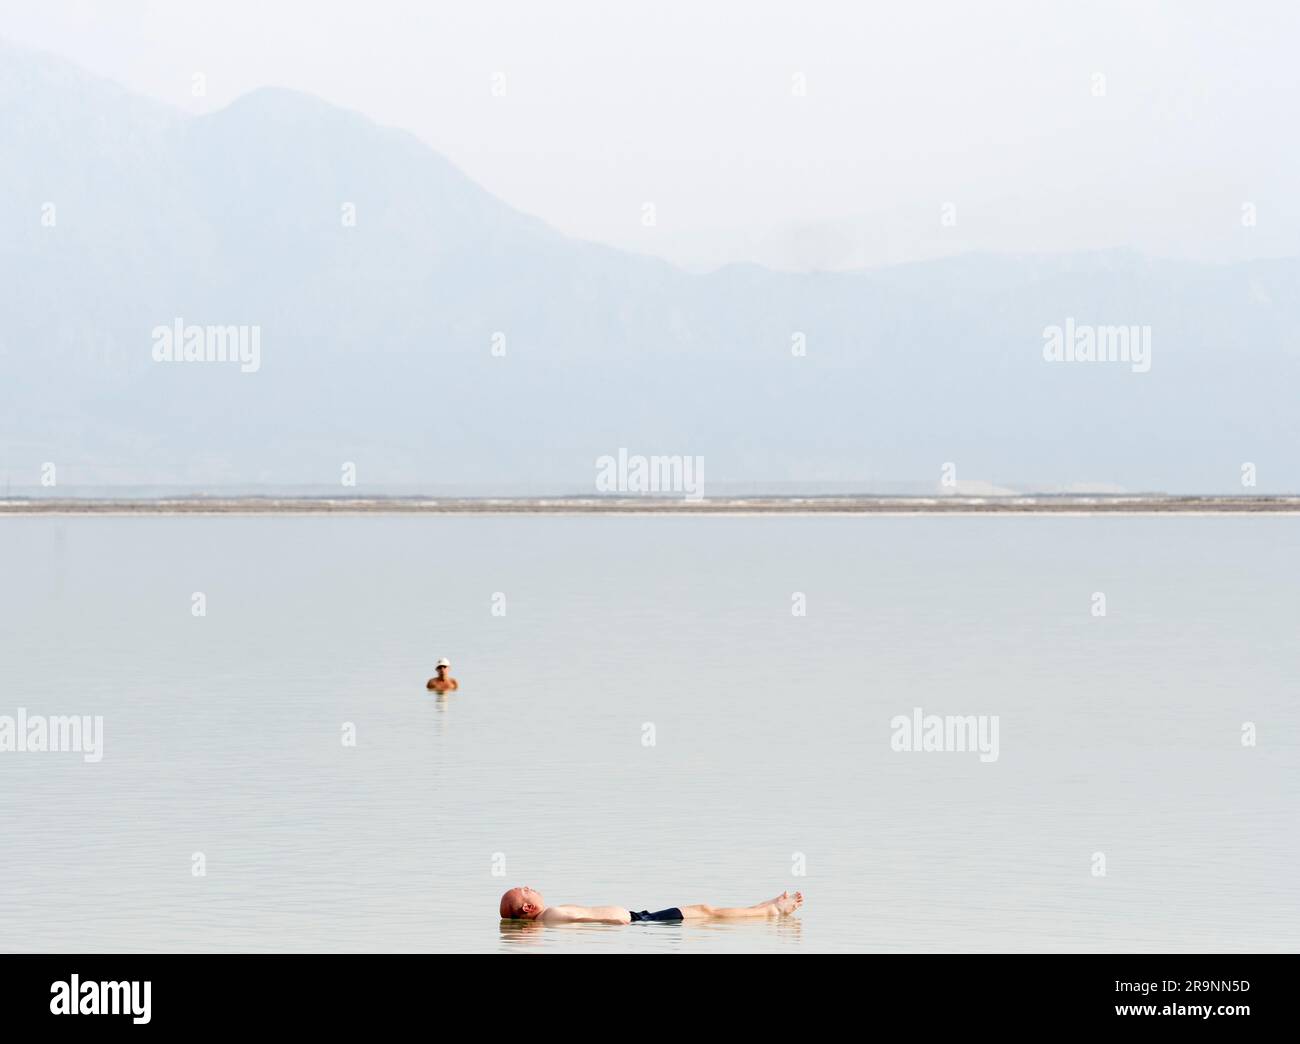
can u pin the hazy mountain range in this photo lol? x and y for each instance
(119, 215)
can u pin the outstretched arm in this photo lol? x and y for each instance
(783, 904)
(587, 914)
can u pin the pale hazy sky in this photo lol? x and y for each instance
(990, 107)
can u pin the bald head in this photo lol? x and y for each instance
(521, 904)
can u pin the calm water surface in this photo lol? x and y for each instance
(1118, 735)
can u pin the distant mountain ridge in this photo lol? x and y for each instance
(378, 336)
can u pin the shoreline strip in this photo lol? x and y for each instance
(830, 505)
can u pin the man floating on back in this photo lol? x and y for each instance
(525, 904)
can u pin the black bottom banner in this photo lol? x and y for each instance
(140, 993)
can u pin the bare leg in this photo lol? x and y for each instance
(782, 906)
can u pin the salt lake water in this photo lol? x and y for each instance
(646, 721)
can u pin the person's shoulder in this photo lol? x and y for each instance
(565, 913)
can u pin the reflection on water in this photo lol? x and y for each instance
(651, 936)
(567, 761)
(524, 933)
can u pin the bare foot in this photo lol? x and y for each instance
(787, 904)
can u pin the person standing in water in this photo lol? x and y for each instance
(442, 681)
